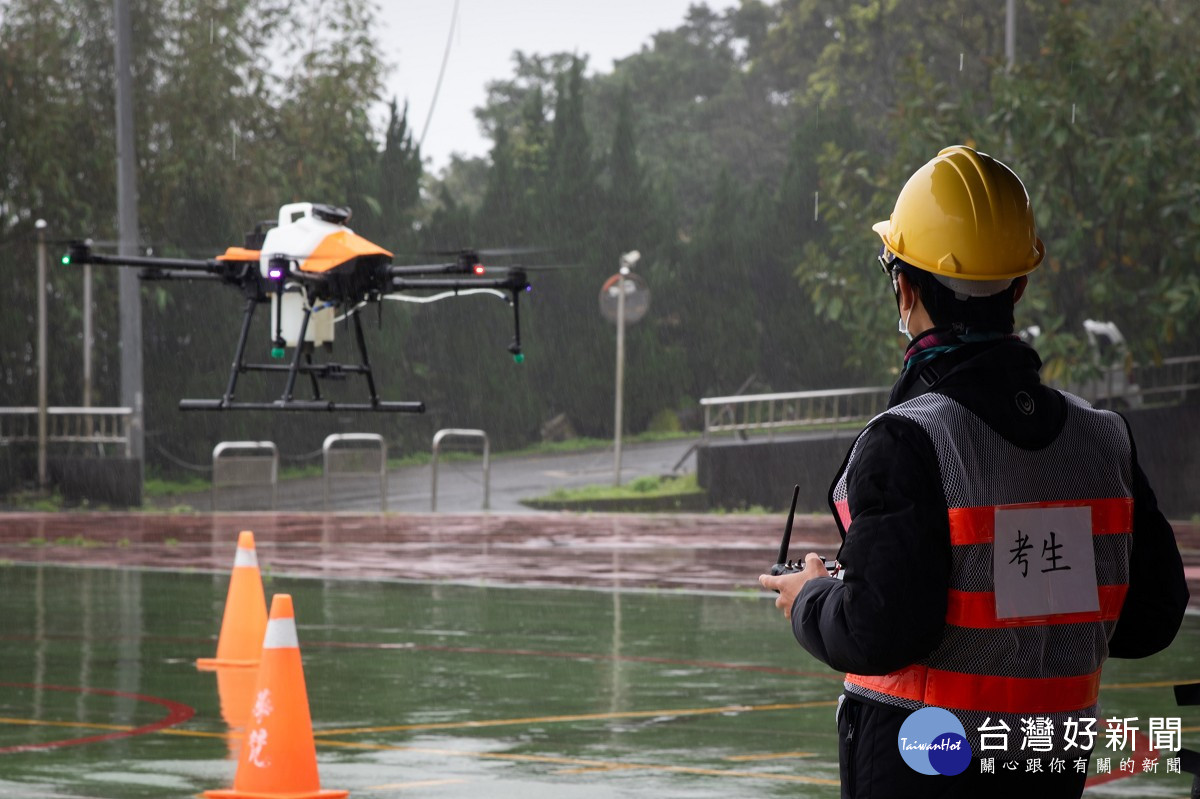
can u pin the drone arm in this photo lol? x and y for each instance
(450, 284)
(84, 255)
(176, 274)
(240, 273)
(427, 269)
(514, 283)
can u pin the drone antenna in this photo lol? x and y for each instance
(787, 531)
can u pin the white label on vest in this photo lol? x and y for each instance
(1043, 562)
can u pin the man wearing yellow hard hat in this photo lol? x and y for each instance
(999, 540)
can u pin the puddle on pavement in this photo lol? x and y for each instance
(437, 689)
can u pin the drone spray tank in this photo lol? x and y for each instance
(310, 240)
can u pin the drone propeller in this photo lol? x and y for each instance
(488, 252)
(541, 267)
(500, 252)
(142, 249)
(83, 240)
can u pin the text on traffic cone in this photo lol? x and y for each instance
(279, 757)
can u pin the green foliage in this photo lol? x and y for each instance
(154, 487)
(665, 421)
(1107, 145)
(1094, 118)
(399, 180)
(745, 153)
(701, 104)
(77, 541)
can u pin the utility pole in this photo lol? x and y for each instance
(1010, 35)
(129, 290)
(42, 400)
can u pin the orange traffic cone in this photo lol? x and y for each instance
(245, 618)
(279, 758)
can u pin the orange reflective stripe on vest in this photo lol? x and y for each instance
(978, 525)
(842, 506)
(978, 609)
(957, 691)
(1010, 662)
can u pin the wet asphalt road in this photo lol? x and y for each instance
(461, 482)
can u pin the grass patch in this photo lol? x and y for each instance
(584, 444)
(749, 510)
(162, 487)
(35, 501)
(77, 541)
(641, 488)
(643, 495)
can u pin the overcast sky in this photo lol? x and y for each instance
(414, 36)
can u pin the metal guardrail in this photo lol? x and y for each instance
(437, 444)
(355, 461)
(796, 410)
(67, 425)
(1168, 381)
(245, 470)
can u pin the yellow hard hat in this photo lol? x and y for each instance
(964, 215)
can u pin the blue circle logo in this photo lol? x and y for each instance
(933, 741)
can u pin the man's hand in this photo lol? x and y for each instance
(789, 585)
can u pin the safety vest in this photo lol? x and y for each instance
(1040, 544)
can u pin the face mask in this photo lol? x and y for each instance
(902, 326)
(902, 323)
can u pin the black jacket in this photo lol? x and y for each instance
(890, 610)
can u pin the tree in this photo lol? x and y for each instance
(1091, 121)
(323, 134)
(532, 89)
(629, 205)
(720, 325)
(399, 178)
(500, 215)
(572, 185)
(701, 104)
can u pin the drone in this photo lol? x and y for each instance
(314, 271)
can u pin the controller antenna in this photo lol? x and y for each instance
(787, 530)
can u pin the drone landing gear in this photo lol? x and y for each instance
(294, 369)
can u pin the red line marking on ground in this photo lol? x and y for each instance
(177, 713)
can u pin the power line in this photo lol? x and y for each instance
(437, 89)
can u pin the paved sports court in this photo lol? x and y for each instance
(547, 655)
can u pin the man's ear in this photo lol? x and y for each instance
(906, 292)
(1019, 287)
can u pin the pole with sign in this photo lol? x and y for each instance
(40, 226)
(624, 299)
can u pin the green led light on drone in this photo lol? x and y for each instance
(519, 357)
(277, 352)
(66, 260)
